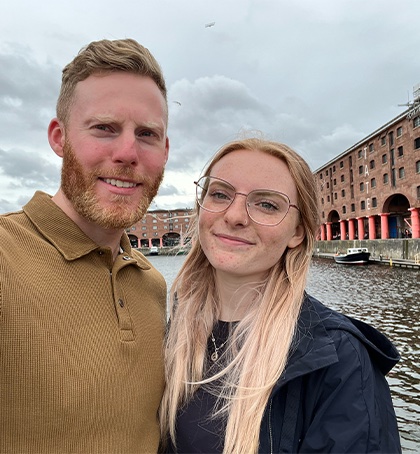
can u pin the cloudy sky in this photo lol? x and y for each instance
(318, 75)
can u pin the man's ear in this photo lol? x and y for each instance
(56, 136)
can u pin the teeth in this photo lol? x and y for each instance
(119, 183)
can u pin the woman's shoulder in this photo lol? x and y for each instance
(348, 333)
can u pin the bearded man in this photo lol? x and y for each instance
(82, 315)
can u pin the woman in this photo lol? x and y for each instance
(253, 363)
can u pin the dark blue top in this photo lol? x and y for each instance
(332, 397)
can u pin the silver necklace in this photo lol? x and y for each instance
(215, 355)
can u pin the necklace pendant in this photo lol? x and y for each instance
(214, 356)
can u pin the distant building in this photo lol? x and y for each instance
(161, 228)
(372, 190)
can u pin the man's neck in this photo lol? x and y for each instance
(102, 237)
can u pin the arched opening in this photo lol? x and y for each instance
(134, 241)
(334, 218)
(397, 206)
(171, 239)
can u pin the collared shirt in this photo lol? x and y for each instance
(81, 365)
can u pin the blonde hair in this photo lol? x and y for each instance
(260, 343)
(103, 57)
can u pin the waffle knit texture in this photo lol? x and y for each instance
(81, 364)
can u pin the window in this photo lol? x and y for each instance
(384, 159)
(418, 166)
(155, 227)
(372, 164)
(342, 178)
(320, 176)
(362, 186)
(416, 122)
(401, 172)
(400, 152)
(386, 178)
(335, 181)
(335, 196)
(341, 164)
(144, 228)
(353, 207)
(362, 205)
(383, 140)
(333, 168)
(373, 183)
(343, 193)
(359, 154)
(344, 210)
(418, 192)
(328, 199)
(371, 149)
(360, 170)
(399, 131)
(322, 201)
(326, 172)
(328, 185)
(374, 202)
(417, 143)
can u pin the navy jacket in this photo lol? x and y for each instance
(333, 396)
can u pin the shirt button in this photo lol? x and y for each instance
(121, 303)
(126, 257)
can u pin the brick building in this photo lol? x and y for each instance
(161, 228)
(372, 190)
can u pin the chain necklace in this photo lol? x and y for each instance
(215, 355)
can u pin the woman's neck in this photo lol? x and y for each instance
(236, 295)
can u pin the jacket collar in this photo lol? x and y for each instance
(313, 348)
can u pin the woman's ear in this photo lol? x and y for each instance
(297, 237)
(56, 136)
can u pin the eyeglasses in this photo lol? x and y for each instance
(264, 206)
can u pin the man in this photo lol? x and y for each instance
(81, 313)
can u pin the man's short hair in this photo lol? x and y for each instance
(103, 57)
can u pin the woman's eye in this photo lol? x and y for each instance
(218, 195)
(269, 206)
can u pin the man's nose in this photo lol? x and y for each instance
(126, 150)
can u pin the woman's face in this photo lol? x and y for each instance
(232, 242)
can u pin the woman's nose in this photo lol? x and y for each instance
(237, 213)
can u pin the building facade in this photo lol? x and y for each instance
(161, 228)
(372, 190)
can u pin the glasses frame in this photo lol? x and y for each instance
(247, 205)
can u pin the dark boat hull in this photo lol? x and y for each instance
(358, 258)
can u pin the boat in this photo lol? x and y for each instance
(353, 256)
(154, 250)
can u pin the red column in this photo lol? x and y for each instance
(372, 229)
(150, 242)
(342, 229)
(384, 226)
(322, 229)
(161, 242)
(360, 228)
(351, 229)
(415, 223)
(329, 231)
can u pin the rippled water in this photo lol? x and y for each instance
(386, 297)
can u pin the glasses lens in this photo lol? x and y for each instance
(267, 207)
(213, 194)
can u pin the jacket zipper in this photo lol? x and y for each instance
(269, 427)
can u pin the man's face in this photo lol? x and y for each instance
(115, 148)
